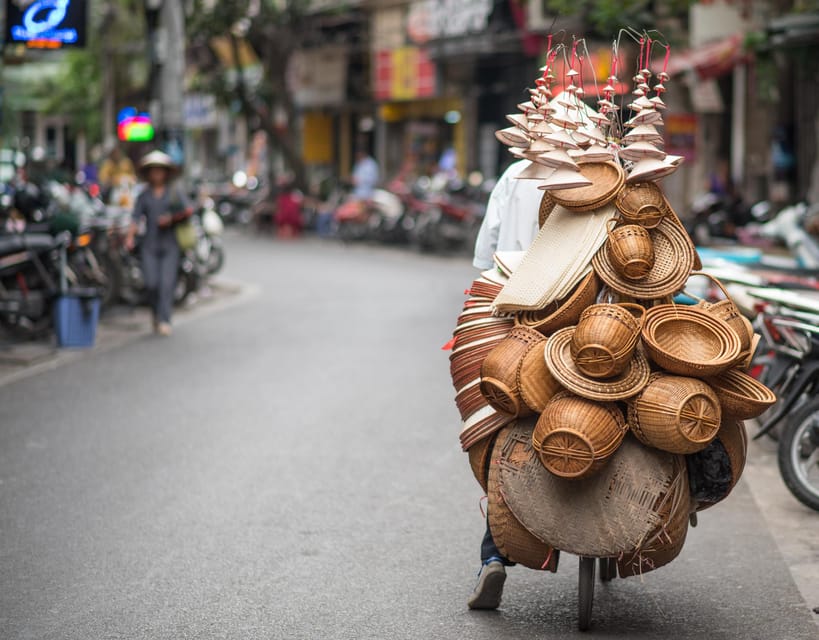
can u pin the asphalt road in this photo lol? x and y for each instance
(289, 467)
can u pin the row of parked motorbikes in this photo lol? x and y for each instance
(438, 214)
(780, 293)
(57, 237)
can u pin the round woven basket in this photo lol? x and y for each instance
(741, 396)
(666, 541)
(510, 536)
(631, 251)
(728, 312)
(574, 437)
(642, 203)
(675, 414)
(611, 512)
(674, 258)
(564, 313)
(689, 341)
(500, 372)
(604, 340)
(535, 383)
(606, 180)
(563, 367)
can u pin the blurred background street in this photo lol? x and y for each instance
(288, 467)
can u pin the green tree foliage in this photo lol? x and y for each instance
(274, 30)
(607, 17)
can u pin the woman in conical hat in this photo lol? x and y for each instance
(161, 207)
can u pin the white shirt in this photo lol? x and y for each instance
(511, 220)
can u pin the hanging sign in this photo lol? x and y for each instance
(46, 24)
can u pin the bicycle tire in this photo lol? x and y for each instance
(585, 593)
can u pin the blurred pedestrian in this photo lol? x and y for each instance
(510, 224)
(116, 170)
(288, 216)
(365, 175)
(162, 206)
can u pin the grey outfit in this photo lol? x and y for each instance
(159, 249)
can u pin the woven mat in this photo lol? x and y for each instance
(558, 259)
(607, 514)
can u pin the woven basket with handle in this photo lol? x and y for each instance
(605, 338)
(689, 341)
(642, 203)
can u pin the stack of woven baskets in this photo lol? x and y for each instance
(589, 419)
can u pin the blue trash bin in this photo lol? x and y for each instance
(76, 315)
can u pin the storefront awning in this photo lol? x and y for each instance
(710, 60)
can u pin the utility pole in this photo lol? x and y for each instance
(166, 30)
(108, 87)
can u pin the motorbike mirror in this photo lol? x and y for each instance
(240, 180)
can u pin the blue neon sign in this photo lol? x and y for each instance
(46, 23)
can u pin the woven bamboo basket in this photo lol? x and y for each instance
(513, 540)
(689, 341)
(741, 396)
(642, 203)
(674, 258)
(630, 251)
(727, 311)
(675, 414)
(564, 313)
(666, 541)
(535, 383)
(574, 437)
(605, 338)
(606, 180)
(500, 378)
(607, 514)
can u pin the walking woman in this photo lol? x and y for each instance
(162, 206)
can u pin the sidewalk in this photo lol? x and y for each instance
(118, 326)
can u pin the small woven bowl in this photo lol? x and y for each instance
(566, 312)
(741, 396)
(688, 341)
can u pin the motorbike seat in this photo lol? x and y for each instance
(25, 241)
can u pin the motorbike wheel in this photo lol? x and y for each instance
(112, 285)
(799, 454)
(186, 282)
(216, 259)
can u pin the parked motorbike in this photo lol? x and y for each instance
(788, 363)
(378, 218)
(30, 277)
(450, 218)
